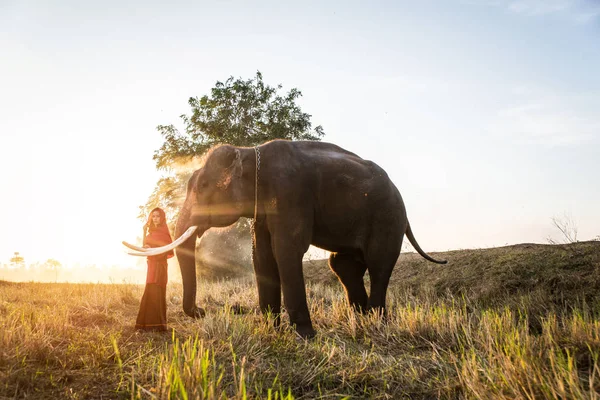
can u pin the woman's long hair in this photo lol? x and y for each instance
(157, 236)
(163, 220)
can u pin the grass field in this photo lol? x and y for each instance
(520, 322)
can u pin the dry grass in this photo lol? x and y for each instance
(478, 339)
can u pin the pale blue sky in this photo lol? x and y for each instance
(484, 113)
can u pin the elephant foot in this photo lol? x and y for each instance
(275, 321)
(196, 312)
(305, 332)
(380, 312)
(359, 308)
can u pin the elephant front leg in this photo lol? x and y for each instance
(289, 261)
(267, 274)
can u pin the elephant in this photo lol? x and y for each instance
(299, 193)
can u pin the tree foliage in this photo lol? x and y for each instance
(17, 260)
(239, 112)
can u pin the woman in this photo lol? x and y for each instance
(153, 308)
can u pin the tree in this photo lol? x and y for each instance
(239, 112)
(53, 266)
(17, 261)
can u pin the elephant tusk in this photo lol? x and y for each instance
(144, 252)
(134, 247)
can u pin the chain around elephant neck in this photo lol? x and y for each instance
(256, 182)
(253, 226)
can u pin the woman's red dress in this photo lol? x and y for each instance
(153, 307)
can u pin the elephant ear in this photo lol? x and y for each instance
(233, 171)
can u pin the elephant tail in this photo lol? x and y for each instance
(413, 241)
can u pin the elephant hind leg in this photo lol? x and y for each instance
(350, 270)
(380, 262)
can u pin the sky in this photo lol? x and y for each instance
(483, 113)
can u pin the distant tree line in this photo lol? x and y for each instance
(51, 270)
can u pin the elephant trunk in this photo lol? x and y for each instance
(186, 256)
